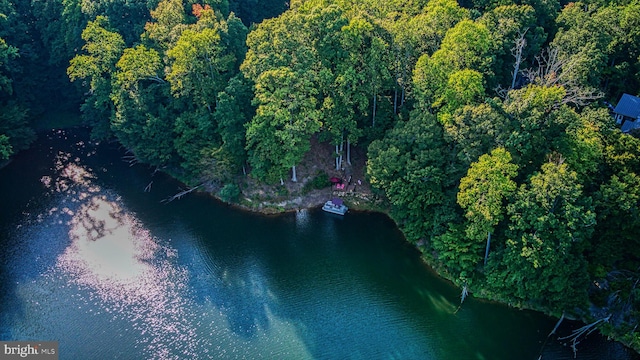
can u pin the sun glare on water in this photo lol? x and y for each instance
(115, 259)
(114, 278)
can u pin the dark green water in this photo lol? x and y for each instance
(91, 260)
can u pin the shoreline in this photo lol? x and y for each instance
(370, 205)
(360, 202)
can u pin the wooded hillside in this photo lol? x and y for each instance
(484, 122)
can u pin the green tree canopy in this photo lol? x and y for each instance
(483, 191)
(551, 222)
(103, 48)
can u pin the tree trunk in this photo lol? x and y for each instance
(375, 104)
(341, 150)
(294, 178)
(404, 77)
(521, 42)
(337, 159)
(486, 252)
(348, 152)
(395, 99)
(549, 336)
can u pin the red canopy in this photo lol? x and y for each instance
(335, 180)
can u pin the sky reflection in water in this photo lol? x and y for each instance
(114, 270)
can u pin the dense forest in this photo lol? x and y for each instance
(484, 122)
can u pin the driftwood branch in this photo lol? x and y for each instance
(583, 332)
(156, 170)
(502, 92)
(181, 194)
(131, 159)
(555, 328)
(463, 295)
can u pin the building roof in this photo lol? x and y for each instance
(628, 105)
(628, 126)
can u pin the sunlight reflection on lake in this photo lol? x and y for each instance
(113, 256)
(112, 274)
(121, 263)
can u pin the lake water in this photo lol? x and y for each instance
(110, 271)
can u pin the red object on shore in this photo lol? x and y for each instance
(335, 180)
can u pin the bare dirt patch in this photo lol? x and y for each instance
(296, 195)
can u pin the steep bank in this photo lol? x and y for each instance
(313, 187)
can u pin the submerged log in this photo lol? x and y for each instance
(181, 194)
(549, 336)
(463, 295)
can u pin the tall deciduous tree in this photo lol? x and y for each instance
(416, 34)
(517, 38)
(348, 97)
(476, 129)
(138, 64)
(15, 133)
(410, 166)
(140, 120)
(615, 240)
(464, 87)
(234, 110)
(538, 121)
(287, 115)
(551, 221)
(200, 66)
(103, 47)
(466, 46)
(483, 191)
(168, 22)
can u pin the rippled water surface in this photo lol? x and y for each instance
(92, 260)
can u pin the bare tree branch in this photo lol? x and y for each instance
(553, 71)
(583, 331)
(517, 51)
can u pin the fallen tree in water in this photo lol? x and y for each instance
(181, 194)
